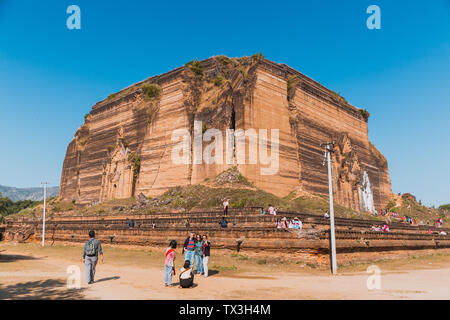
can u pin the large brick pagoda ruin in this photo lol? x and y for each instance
(124, 147)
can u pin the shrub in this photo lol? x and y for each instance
(151, 91)
(223, 59)
(218, 81)
(112, 96)
(365, 114)
(136, 163)
(204, 127)
(196, 67)
(261, 261)
(257, 56)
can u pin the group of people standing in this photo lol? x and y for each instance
(197, 250)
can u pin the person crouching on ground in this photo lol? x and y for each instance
(189, 246)
(169, 268)
(92, 248)
(186, 275)
(206, 252)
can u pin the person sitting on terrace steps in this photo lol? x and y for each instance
(278, 224)
(186, 275)
(131, 224)
(326, 215)
(90, 256)
(223, 223)
(386, 228)
(271, 210)
(376, 228)
(296, 224)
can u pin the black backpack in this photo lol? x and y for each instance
(90, 247)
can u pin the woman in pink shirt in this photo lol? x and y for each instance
(169, 269)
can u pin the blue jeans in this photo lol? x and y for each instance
(189, 256)
(168, 270)
(199, 262)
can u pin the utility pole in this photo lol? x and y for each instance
(43, 218)
(329, 148)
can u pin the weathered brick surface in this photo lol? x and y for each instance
(249, 229)
(259, 95)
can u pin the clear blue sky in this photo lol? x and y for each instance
(51, 76)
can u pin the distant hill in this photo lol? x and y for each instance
(35, 194)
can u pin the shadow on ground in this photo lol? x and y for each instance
(14, 257)
(107, 279)
(40, 290)
(212, 272)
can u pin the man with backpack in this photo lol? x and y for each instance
(90, 256)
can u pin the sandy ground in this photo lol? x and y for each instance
(30, 272)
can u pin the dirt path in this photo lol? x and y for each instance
(25, 275)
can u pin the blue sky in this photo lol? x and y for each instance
(51, 76)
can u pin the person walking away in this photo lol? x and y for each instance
(92, 248)
(206, 252)
(223, 223)
(169, 268)
(189, 246)
(198, 252)
(225, 207)
(186, 275)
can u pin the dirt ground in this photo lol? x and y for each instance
(28, 271)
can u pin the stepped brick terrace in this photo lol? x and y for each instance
(247, 229)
